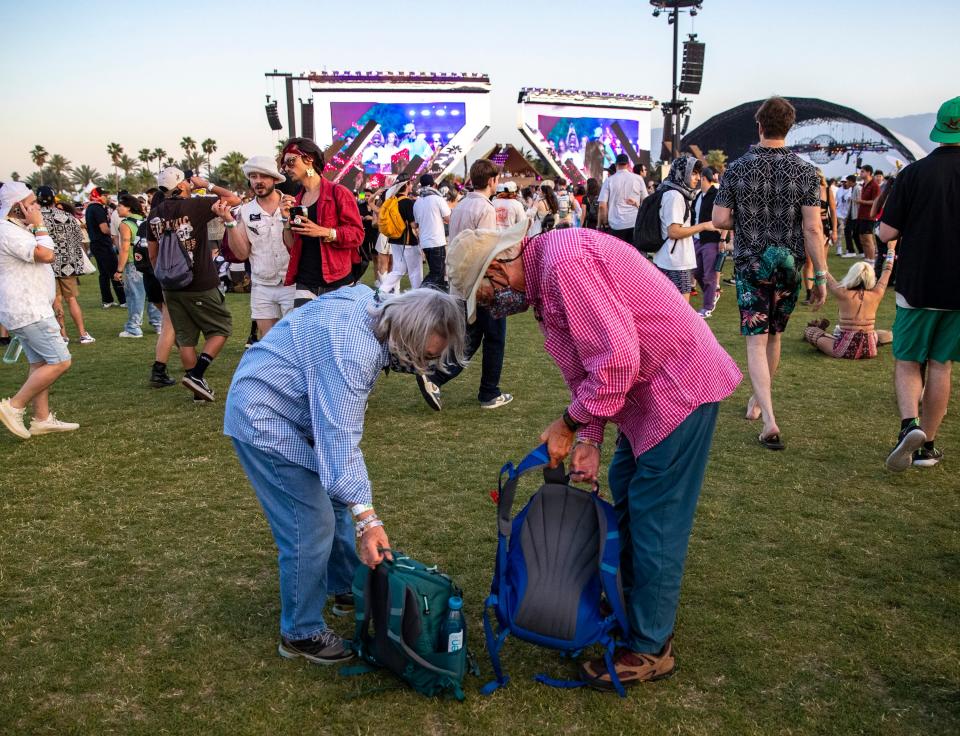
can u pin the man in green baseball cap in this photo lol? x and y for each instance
(947, 128)
(921, 224)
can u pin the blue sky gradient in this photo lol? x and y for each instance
(146, 74)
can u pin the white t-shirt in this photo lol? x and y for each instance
(843, 197)
(27, 288)
(616, 190)
(675, 255)
(509, 212)
(428, 212)
(269, 257)
(115, 227)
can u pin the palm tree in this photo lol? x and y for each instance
(83, 175)
(115, 151)
(144, 155)
(208, 147)
(159, 154)
(126, 164)
(34, 180)
(59, 170)
(188, 144)
(230, 171)
(39, 157)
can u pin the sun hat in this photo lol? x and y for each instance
(12, 192)
(265, 165)
(169, 178)
(947, 127)
(469, 255)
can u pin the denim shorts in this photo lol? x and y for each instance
(42, 342)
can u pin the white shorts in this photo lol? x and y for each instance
(270, 302)
(382, 246)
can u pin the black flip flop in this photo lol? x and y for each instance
(773, 442)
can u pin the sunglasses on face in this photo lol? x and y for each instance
(289, 163)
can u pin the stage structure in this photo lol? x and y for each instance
(381, 124)
(579, 134)
(735, 130)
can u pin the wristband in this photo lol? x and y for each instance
(230, 225)
(372, 525)
(588, 442)
(572, 424)
(360, 508)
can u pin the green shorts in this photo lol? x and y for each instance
(920, 335)
(193, 312)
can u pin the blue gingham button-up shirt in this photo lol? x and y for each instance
(301, 392)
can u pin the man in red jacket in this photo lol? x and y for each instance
(324, 242)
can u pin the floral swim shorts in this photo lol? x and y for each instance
(767, 289)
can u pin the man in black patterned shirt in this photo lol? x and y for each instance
(770, 198)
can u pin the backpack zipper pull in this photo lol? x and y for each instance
(426, 606)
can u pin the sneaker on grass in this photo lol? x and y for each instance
(497, 402)
(199, 387)
(129, 334)
(87, 339)
(430, 392)
(631, 668)
(927, 457)
(159, 378)
(910, 440)
(13, 419)
(326, 647)
(343, 604)
(50, 425)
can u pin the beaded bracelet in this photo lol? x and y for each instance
(230, 225)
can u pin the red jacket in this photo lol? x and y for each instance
(336, 208)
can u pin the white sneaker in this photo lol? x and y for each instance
(839, 251)
(705, 313)
(129, 334)
(497, 402)
(51, 424)
(850, 255)
(13, 419)
(110, 305)
(86, 339)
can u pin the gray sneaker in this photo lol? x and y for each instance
(326, 647)
(497, 402)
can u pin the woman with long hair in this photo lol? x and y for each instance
(131, 216)
(543, 213)
(858, 296)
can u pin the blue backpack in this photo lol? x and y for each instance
(556, 561)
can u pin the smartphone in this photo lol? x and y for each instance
(298, 213)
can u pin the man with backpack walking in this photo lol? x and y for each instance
(632, 353)
(620, 198)
(475, 211)
(183, 264)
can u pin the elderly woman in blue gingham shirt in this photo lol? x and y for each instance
(295, 413)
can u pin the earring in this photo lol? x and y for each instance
(310, 172)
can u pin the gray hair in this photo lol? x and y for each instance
(407, 322)
(860, 276)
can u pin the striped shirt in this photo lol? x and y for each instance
(301, 392)
(631, 350)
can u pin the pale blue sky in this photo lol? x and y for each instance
(80, 75)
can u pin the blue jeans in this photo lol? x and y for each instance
(655, 497)
(314, 536)
(492, 333)
(136, 297)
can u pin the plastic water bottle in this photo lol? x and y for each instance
(12, 354)
(452, 629)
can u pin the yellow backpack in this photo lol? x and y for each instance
(390, 222)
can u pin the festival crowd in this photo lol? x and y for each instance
(616, 319)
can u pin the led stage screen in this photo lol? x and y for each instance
(406, 130)
(588, 141)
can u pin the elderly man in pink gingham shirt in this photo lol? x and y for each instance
(633, 353)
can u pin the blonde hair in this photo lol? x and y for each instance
(406, 323)
(860, 276)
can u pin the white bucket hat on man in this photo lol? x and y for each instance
(265, 165)
(11, 193)
(470, 254)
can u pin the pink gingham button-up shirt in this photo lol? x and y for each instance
(632, 351)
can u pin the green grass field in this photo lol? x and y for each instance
(138, 582)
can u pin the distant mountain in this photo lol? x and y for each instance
(917, 127)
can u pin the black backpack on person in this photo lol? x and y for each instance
(647, 236)
(141, 254)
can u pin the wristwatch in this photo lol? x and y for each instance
(572, 424)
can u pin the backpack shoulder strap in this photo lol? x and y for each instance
(610, 562)
(537, 458)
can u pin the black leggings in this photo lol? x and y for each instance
(107, 266)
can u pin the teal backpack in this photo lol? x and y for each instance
(407, 602)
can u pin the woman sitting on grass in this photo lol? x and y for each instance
(859, 295)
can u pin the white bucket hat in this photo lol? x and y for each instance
(11, 193)
(263, 165)
(470, 254)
